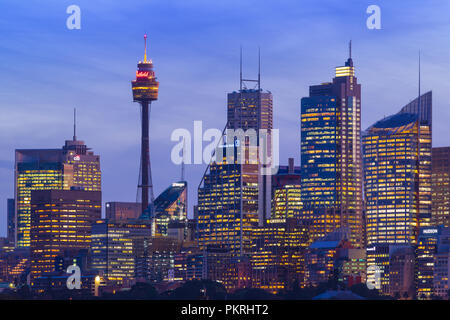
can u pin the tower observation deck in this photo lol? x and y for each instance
(145, 90)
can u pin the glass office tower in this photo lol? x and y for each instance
(331, 161)
(397, 175)
(233, 196)
(74, 165)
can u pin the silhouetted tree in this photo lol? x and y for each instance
(361, 290)
(199, 289)
(252, 294)
(143, 291)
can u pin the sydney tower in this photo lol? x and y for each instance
(145, 90)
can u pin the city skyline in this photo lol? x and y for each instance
(57, 127)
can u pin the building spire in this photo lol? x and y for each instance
(240, 69)
(419, 74)
(259, 68)
(74, 124)
(418, 101)
(182, 163)
(145, 49)
(350, 49)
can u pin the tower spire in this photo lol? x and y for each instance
(74, 124)
(350, 49)
(259, 68)
(182, 163)
(419, 77)
(240, 69)
(145, 47)
(418, 101)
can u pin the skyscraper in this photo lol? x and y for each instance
(115, 248)
(397, 175)
(391, 181)
(440, 187)
(278, 254)
(60, 225)
(228, 206)
(286, 192)
(234, 196)
(422, 107)
(331, 163)
(74, 165)
(425, 254)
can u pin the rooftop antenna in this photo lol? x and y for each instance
(74, 124)
(419, 120)
(350, 49)
(182, 161)
(420, 113)
(240, 69)
(243, 84)
(145, 49)
(259, 68)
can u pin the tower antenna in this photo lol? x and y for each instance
(145, 47)
(240, 69)
(350, 49)
(182, 161)
(74, 124)
(419, 82)
(259, 68)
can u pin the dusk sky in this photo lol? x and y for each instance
(47, 70)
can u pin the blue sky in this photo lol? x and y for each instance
(47, 70)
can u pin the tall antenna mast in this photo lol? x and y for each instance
(145, 49)
(182, 161)
(259, 68)
(240, 69)
(419, 120)
(350, 49)
(420, 111)
(74, 124)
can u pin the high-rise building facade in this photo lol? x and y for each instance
(51, 169)
(116, 247)
(248, 110)
(331, 163)
(397, 182)
(426, 250)
(34, 170)
(228, 207)
(391, 181)
(278, 254)
(423, 107)
(397, 176)
(440, 204)
(60, 225)
(234, 196)
(287, 202)
(286, 192)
